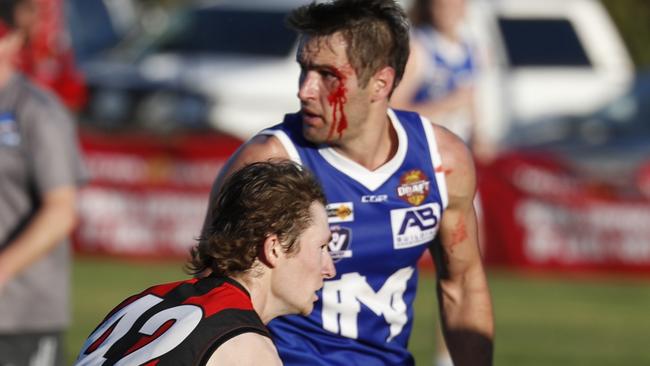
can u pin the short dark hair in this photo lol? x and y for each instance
(377, 32)
(8, 11)
(259, 200)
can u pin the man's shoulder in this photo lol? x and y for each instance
(457, 164)
(451, 146)
(36, 94)
(246, 349)
(37, 101)
(408, 117)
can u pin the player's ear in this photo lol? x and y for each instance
(271, 251)
(382, 83)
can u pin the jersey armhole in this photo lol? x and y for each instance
(284, 139)
(436, 160)
(226, 337)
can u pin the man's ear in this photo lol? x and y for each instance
(271, 251)
(382, 83)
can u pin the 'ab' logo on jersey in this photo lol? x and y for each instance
(414, 225)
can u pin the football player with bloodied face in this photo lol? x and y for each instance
(397, 185)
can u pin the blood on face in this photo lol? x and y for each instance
(337, 99)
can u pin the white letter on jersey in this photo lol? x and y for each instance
(343, 298)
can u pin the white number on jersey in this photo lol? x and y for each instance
(342, 301)
(184, 317)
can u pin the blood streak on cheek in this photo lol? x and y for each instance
(337, 100)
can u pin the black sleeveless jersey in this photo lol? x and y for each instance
(179, 323)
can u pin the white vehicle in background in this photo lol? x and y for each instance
(545, 58)
(231, 64)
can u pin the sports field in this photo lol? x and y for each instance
(540, 320)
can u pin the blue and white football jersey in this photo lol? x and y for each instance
(450, 65)
(382, 222)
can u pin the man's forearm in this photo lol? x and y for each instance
(468, 323)
(52, 223)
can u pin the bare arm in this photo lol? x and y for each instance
(54, 221)
(248, 349)
(465, 304)
(260, 148)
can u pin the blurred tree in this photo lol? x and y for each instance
(632, 18)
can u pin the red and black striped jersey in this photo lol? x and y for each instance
(179, 323)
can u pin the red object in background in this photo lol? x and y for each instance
(537, 214)
(148, 194)
(47, 57)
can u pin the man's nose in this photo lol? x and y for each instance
(308, 88)
(329, 271)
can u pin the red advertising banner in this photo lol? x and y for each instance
(148, 194)
(539, 214)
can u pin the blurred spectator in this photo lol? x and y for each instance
(441, 71)
(47, 56)
(40, 168)
(439, 82)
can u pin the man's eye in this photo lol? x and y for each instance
(327, 74)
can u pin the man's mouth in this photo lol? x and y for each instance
(310, 117)
(308, 112)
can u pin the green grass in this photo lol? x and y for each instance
(100, 284)
(540, 321)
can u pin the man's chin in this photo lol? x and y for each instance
(307, 310)
(314, 135)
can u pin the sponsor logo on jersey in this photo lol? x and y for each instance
(372, 198)
(414, 187)
(9, 135)
(342, 300)
(339, 245)
(414, 225)
(340, 212)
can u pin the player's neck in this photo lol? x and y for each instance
(375, 145)
(258, 287)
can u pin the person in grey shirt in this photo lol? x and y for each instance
(40, 171)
